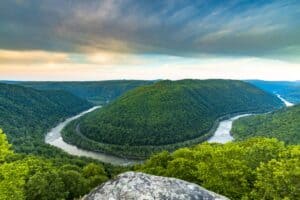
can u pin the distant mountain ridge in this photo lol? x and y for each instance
(289, 90)
(97, 92)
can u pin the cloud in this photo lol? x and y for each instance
(100, 58)
(180, 28)
(25, 57)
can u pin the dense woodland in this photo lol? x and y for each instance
(283, 124)
(258, 168)
(165, 113)
(97, 92)
(37, 178)
(26, 114)
(38, 170)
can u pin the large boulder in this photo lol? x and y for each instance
(140, 186)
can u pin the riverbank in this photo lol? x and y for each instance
(223, 132)
(72, 137)
(54, 138)
(114, 154)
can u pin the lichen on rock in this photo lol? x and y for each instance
(140, 186)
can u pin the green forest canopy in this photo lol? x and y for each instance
(26, 114)
(283, 124)
(168, 112)
(36, 178)
(258, 168)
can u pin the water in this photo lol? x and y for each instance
(222, 134)
(53, 137)
(287, 103)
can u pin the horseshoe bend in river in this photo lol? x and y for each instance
(53, 137)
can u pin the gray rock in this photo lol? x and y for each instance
(140, 186)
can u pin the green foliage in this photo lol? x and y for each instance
(165, 113)
(95, 174)
(26, 115)
(258, 168)
(37, 178)
(92, 169)
(74, 183)
(278, 179)
(12, 180)
(45, 186)
(283, 125)
(4, 147)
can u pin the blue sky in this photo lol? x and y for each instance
(136, 39)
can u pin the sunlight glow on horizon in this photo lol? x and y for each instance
(52, 66)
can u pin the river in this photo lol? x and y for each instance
(287, 103)
(222, 134)
(53, 137)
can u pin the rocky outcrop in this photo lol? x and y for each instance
(140, 186)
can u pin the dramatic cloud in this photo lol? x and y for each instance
(148, 35)
(187, 28)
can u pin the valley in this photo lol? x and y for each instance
(149, 100)
(143, 120)
(55, 146)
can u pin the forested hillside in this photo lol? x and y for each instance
(258, 168)
(47, 172)
(288, 90)
(283, 124)
(26, 114)
(167, 112)
(36, 178)
(98, 92)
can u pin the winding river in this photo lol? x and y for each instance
(53, 137)
(287, 103)
(222, 134)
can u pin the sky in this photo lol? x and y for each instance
(149, 39)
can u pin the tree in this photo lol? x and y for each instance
(182, 168)
(278, 180)
(4, 147)
(95, 174)
(257, 168)
(93, 169)
(12, 180)
(95, 181)
(45, 186)
(74, 183)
